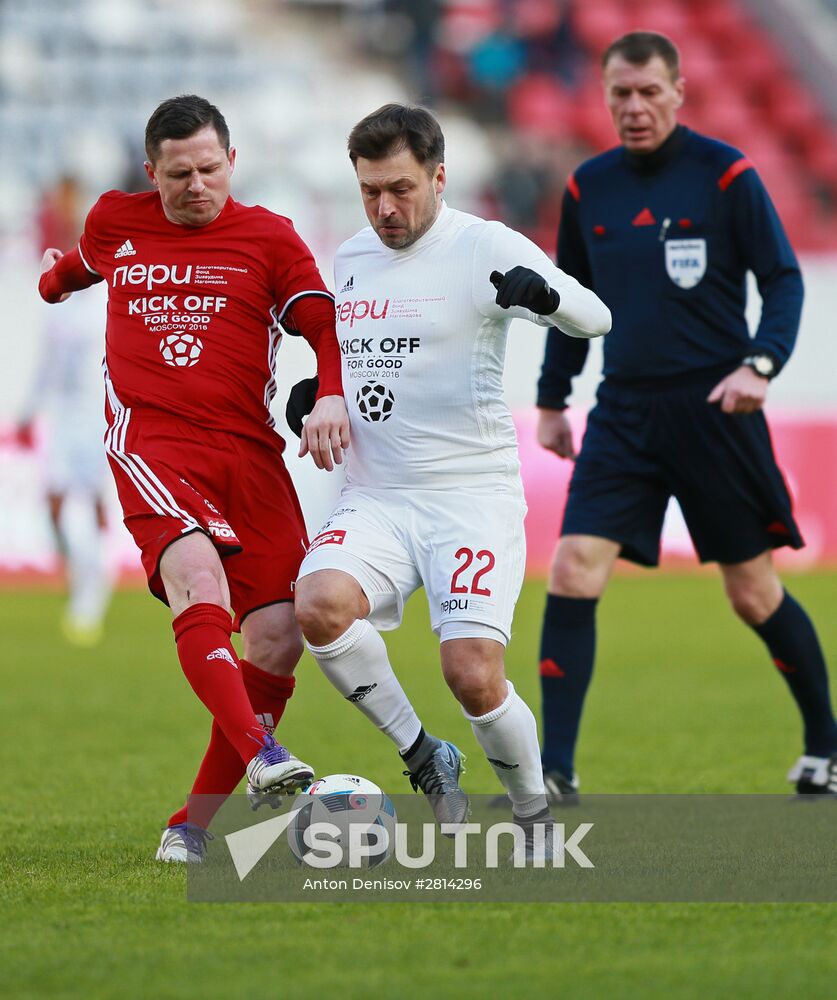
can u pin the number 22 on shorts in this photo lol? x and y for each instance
(485, 563)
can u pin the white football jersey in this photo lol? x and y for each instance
(67, 385)
(67, 392)
(423, 345)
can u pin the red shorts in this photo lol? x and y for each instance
(175, 477)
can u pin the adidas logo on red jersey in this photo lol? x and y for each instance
(126, 250)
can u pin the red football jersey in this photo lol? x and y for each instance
(194, 313)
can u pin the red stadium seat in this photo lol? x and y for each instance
(790, 106)
(598, 22)
(465, 24)
(539, 104)
(535, 17)
(755, 66)
(590, 118)
(723, 22)
(701, 68)
(823, 162)
(731, 119)
(659, 15)
(450, 74)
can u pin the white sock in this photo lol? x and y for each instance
(358, 666)
(87, 574)
(509, 737)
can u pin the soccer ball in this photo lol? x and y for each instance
(181, 350)
(345, 801)
(375, 402)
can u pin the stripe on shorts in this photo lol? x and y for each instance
(155, 493)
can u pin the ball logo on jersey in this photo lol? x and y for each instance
(181, 350)
(375, 402)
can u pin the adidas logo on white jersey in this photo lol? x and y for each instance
(126, 250)
(350, 284)
(222, 654)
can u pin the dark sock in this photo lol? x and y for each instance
(790, 637)
(568, 646)
(420, 752)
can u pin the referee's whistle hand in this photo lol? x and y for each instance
(742, 391)
(326, 433)
(555, 433)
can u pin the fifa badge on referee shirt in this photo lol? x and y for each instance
(685, 261)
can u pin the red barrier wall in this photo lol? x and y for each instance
(806, 446)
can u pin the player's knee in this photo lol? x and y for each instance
(476, 691)
(754, 601)
(275, 650)
(201, 586)
(577, 570)
(474, 672)
(323, 609)
(753, 588)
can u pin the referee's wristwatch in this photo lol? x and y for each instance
(762, 364)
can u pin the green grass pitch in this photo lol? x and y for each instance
(99, 746)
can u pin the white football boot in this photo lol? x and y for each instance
(183, 843)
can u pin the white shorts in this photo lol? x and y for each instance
(74, 460)
(467, 550)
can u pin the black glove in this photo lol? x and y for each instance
(301, 401)
(524, 287)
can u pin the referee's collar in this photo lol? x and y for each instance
(649, 163)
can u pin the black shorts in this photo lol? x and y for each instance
(642, 447)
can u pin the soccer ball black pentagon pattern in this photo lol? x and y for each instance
(181, 350)
(375, 402)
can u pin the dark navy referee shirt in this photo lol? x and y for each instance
(666, 240)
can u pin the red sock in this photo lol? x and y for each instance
(219, 774)
(222, 768)
(268, 693)
(211, 666)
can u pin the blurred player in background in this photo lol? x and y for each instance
(425, 297)
(665, 228)
(198, 285)
(66, 394)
